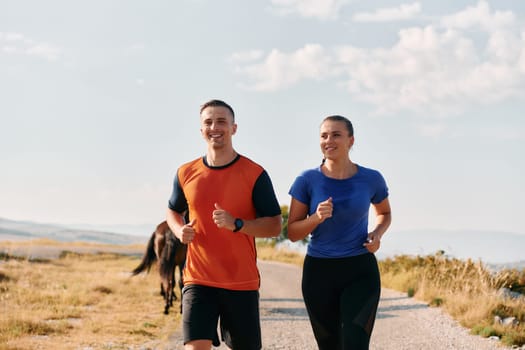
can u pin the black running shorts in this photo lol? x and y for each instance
(238, 312)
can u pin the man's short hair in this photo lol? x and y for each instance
(217, 103)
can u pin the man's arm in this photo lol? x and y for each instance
(183, 231)
(266, 226)
(268, 222)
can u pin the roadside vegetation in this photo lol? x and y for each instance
(90, 300)
(81, 301)
(486, 302)
(267, 250)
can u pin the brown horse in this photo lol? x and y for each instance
(169, 252)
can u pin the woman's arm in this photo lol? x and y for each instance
(383, 220)
(300, 224)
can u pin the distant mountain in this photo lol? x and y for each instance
(144, 230)
(24, 230)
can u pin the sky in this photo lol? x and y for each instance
(99, 101)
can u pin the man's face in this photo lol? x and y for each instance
(217, 126)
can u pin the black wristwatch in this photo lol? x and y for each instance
(238, 224)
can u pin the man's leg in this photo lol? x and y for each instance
(239, 319)
(200, 314)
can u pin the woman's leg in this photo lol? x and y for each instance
(359, 302)
(322, 302)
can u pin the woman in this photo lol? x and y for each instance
(340, 285)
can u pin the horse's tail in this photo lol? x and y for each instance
(149, 257)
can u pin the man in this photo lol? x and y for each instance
(231, 201)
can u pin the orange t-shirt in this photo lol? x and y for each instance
(218, 257)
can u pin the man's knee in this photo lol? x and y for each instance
(200, 344)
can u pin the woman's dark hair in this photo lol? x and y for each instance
(340, 118)
(217, 103)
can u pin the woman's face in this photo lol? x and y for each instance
(334, 139)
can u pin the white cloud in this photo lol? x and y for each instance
(402, 12)
(18, 44)
(320, 9)
(279, 70)
(9, 49)
(479, 16)
(12, 36)
(436, 69)
(44, 50)
(521, 62)
(431, 69)
(504, 46)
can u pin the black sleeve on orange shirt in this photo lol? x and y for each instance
(177, 201)
(264, 198)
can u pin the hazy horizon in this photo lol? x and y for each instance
(146, 229)
(494, 247)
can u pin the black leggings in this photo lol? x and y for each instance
(341, 296)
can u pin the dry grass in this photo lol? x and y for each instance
(86, 300)
(467, 291)
(266, 251)
(81, 301)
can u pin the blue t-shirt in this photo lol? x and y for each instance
(344, 233)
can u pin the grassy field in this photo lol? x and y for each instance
(90, 301)
(81, 301)
(466, 290)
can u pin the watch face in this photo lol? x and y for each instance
(238, 224)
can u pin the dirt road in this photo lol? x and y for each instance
(402, 323)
